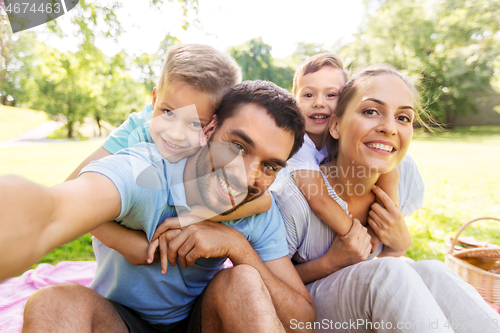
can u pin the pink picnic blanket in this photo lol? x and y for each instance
(14, 292)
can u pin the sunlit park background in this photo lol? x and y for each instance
(90, 69)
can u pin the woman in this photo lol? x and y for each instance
(370, 134)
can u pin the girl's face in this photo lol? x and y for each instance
(317, 95)
(376, 128)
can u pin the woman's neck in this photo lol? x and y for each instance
(318, 140)
(351, 182)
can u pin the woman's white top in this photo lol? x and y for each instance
(308, 237)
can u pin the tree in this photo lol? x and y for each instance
(149, 65)
(257, 63)
(448, 48)
(306, 50)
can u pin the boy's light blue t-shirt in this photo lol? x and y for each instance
(133, 130)
(150, 188)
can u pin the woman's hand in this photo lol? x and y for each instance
(388, 223)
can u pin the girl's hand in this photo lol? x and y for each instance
(351, 248)
(389, 225)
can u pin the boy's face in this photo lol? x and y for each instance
(179, 113)
(317, 95)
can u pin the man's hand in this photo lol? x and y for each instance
(205, 240)
(388, 224)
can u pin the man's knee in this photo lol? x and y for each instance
(239, 282)
(241, 278)
(52, 300)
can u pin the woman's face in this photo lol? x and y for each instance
(376, 128)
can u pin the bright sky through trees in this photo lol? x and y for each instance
(225, 23)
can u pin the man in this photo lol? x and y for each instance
(263, 122)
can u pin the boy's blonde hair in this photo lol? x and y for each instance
(315, 63)
(202, 67)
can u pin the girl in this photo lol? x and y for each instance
(377, 107)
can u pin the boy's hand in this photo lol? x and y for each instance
(164, 233)
(137, 250)
(388, 223)
(177, 222)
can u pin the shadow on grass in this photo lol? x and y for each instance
(430, 231)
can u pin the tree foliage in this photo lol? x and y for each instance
(257, 63)
(75, 85)
(449, 47)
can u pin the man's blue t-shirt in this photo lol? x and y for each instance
(151, 190)
(133, 130)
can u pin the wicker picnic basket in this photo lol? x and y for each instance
(486, 283)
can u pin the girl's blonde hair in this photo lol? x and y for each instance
(315, 63)
(349, 91)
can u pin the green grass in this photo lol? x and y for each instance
(14, 121)
(50, 165)
(460, 170)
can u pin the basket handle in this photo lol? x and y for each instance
(454, 241)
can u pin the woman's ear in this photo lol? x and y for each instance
(208, 130)
(334, 128)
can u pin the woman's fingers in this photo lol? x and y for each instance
(384, 198)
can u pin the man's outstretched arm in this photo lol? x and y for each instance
(35, 219)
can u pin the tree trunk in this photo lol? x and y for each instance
(449, 118)
(69, 126)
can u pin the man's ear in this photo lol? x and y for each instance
(334, 128)
(154, 98)
(208, 130)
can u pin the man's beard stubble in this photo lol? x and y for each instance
(206, 170)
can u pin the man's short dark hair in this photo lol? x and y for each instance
(279, 103)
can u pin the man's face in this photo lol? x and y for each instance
(242, 159)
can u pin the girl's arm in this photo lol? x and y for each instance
(314, 189)
(353, 248)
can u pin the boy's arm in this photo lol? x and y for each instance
(131, 244)
(41, 218)
(96, 155)
(313, 187)
(257, 206)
